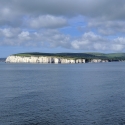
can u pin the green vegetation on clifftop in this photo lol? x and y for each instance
(111, 56)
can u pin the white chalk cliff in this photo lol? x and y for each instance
(47, 59)
(42, 59)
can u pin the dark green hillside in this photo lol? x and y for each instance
(64, 55)
(111, 56)
(114, 56)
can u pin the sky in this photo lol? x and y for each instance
(55, 26)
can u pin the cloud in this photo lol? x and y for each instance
(24, 35)
(14, 10)
(9, 17)
(90, 41)
(52, 38)
(47, 38)
(112, 9)
(48, 21)
(105, 27)
(9, 32)
(93, 25)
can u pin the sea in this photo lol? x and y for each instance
(62, 94)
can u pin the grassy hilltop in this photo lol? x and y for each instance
(110, 56)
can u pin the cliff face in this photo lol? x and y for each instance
(47, 59)
(42, 59)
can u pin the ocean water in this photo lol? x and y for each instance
(62, 94)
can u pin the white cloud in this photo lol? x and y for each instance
(46, 38)
(90, 41)
(105, 27)
(117, 47)
(9, 32)
(120, 40)
(53, 38)
(48, 21)
(24, 35)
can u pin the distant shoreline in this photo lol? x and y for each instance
(2, 59)
(63, 58)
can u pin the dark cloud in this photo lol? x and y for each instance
(112, 9)
(12, 12)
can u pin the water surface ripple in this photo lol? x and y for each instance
(63, 94)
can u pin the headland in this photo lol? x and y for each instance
(64, 58)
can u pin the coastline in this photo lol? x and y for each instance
(55, 60)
